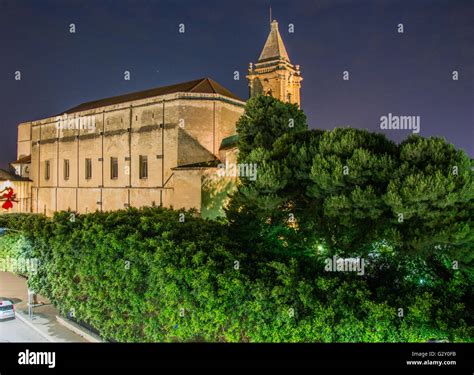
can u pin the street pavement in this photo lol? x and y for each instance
(14, 330)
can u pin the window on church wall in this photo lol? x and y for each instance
(113, 168)
(143, 160)
(47, 170)
(88, 169)
(66, 169)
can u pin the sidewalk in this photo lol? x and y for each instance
(44, 321)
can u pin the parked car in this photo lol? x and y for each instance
(7, 310)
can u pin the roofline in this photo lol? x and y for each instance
(126, 96)
(21, 160)
(14, 177)
(184, 168)
(181, 95)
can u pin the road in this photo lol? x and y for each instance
(14, 288)
(16, 331)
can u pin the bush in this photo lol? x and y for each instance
(141, 275)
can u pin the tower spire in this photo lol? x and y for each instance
(274, 46)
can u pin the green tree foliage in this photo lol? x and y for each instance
(407, 209)
(266, 119)
(349, 191)
(348, 176)
(434, 191)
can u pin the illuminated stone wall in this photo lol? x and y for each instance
(194, 126)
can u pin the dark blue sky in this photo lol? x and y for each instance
(404, 74)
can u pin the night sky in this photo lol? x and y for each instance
(402, 74)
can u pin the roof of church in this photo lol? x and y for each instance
(7, 176)
(201, 165)
(203, 85)
(274, 47)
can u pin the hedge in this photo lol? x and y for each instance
(145, 275)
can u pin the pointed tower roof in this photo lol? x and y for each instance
(274, 47)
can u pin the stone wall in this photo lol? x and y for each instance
(24, 140)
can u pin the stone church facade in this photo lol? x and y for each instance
(155, 147)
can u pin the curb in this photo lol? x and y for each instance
(28, 322)
(78, 330)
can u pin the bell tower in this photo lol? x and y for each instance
(274, 74)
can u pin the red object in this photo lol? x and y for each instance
(9, 196)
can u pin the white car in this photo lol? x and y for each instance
(7, 310)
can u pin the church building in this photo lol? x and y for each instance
(160, 146)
